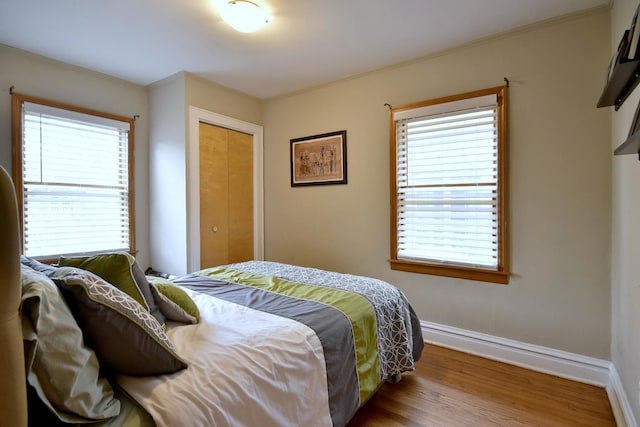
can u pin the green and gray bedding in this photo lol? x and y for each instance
(281, 345)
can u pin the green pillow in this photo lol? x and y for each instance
(174, 302)
(122, 271)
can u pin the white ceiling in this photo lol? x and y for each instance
(305, 44)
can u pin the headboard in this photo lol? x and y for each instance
(13, 393)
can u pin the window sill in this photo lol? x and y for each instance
(500, 277)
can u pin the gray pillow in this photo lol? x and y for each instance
(47, 269)
(63, 371)
(126, 338)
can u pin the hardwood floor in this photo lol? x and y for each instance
(453, 389)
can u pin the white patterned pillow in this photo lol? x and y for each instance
(126, 338)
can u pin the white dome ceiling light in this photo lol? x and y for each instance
(244, 15)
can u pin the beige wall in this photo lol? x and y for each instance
(560, 179)
(560, 161)
(221, 100)
(625, 271)
(45, 78)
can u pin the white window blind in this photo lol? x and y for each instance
(447, 183)
(75, 182)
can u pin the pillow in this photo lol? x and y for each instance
(62, 371)
(122, 271)
(47, 269)
(126, 338)
(174, 302)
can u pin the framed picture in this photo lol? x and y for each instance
(319, 159)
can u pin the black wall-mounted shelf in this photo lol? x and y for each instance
(630, 146)
(623, 75)
(624, 79)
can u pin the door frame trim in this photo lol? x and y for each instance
(197, 115)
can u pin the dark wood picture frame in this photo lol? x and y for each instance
(319, 159)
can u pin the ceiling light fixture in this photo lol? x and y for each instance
(244, 15)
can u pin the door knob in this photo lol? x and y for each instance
(214, 229)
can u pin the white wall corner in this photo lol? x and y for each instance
(618, 399)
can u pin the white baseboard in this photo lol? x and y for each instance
(618, 399)
(560, 363)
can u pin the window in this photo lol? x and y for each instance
(73, 172)
(448, 186)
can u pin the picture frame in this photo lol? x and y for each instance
(319, 159)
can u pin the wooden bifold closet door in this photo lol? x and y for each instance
(226, 196)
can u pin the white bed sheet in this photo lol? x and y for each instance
(246, 368)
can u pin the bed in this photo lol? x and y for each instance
(245, 344)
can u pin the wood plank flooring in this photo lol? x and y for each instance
(454, 389)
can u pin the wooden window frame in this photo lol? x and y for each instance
(501, 275)
(17, 101)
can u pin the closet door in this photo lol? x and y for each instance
(226, 196)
